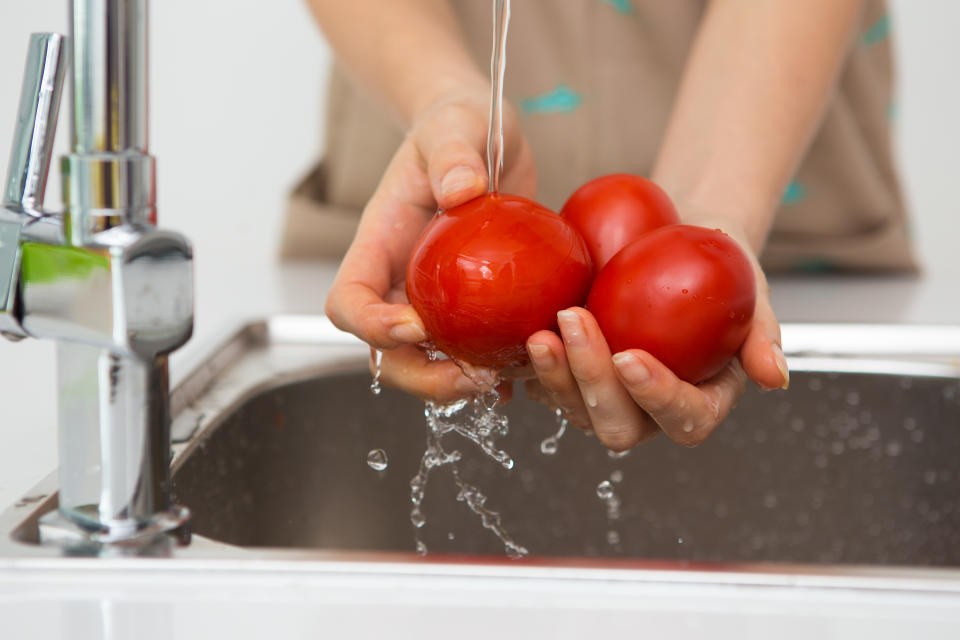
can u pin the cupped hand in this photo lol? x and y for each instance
(629, 397)
(440, 164)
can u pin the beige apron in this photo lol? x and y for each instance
(594, 82)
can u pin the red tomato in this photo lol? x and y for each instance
(612, 211)
(684, 294)
(489, 273)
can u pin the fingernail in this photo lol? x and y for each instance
(571, 328)
(465, 385)
(458, 179)
(541, 356)
(631, 368)
(781, 361)
(407, 332)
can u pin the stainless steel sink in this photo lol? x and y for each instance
(848, 479)
(844, 468)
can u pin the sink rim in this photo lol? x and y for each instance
(888, 349)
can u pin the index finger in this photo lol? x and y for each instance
(375, 263)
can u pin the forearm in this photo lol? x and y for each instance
(755, 86)
(406, 52)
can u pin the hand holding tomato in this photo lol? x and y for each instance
(440, 164)
(628, 397)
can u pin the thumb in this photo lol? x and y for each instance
(455, 166)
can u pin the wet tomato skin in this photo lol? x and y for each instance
(489, 273)
(684, 294)
(612, 211)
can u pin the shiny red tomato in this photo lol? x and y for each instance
(684, 294)
(612, 211)
(489, 273)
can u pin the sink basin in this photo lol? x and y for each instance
(843, 468)
(848, 480)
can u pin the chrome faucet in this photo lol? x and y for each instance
(115, 292)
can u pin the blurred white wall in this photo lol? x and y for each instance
(236, 100)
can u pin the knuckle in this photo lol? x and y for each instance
(586, 373)
(667, 401)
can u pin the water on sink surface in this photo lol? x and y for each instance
(799, 476)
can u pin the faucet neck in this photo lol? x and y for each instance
(110, 178)
(110, 82)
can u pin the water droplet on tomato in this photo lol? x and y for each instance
(685, 291)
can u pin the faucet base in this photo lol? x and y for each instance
(162, 529)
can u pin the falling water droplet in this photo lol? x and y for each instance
(377, 459)
(551, 443)
(377, 362)
(421, 548)
(679, 540)
(605, 490)
(613, 537)
(417, 518)
(616, 476)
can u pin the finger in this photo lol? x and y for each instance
(618, 421)
(761, 353)
(356, 308)
(688, 414)
(408, 369)
(375, 263)
(557, 387)
(451, 146)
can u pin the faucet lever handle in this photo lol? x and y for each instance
(36, 124)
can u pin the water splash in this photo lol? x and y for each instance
(375, 387)
(605, 490)
(476, 421)
(608, 496)
(476, 500)
(551, 443)
(611, 501)
(377, 459)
